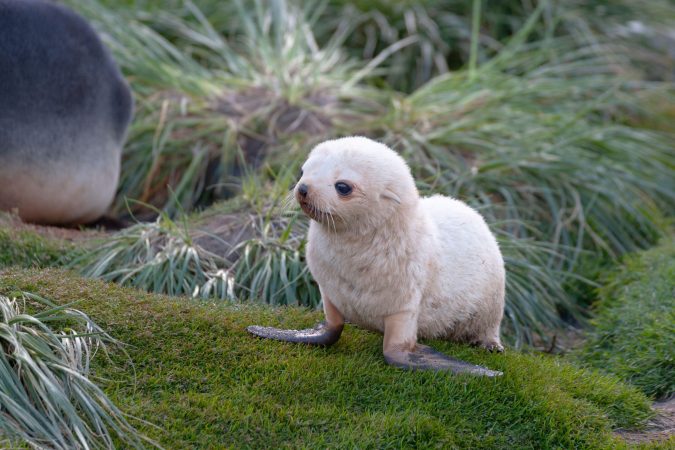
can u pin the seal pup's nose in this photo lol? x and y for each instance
(302, 190)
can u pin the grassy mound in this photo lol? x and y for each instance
(206, 383)
(634, 334)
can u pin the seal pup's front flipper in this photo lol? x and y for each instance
(423, 357)
(321, 335)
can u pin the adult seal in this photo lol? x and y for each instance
(64, 113)
(387, 260)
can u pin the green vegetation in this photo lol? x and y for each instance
(167, 257)
(225, 253)
(208, 107)
(633, 334)
(444, 32)
(199, 376)
(46, 398)
(161, 257)
(28, 249)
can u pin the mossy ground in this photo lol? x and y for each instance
(633, 334)
(27, 249)
(205, 383)
(27, 245)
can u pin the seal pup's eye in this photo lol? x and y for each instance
(343, 188)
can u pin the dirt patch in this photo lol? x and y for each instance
(659, 428)
(282, 117)
(62, 233)
(221, 233)
(261, 115)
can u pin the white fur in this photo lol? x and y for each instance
(384, 250)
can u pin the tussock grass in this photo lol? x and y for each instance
(528, 141)
(443, 28)
(208, 105)
(442, 31)
(235, 256)
(271, 267)
(160, 257)
(207, 383)
(46, 396)
(634, 329)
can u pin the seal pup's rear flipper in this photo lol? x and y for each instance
(426, 358)
(321, 334)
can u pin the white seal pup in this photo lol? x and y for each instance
(387, 260)
(64, 112)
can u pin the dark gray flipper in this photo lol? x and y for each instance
(320, 335)
(426, 358)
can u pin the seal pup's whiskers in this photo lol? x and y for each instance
(332, 219)
(288, 203)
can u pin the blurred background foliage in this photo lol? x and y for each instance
(552, 118)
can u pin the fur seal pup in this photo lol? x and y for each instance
(64, 113)
(387, 260)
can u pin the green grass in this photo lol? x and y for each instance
(160, 257)
(199, 376)
(26, 248)
(633, 335)
(444, 32)
(526, 140)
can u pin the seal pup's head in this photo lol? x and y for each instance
(355, 184)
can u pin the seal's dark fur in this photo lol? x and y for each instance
(62, 97)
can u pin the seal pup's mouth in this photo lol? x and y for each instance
(315, 213)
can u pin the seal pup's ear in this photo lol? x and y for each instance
(391, 195)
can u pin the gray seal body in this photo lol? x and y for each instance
(64, 112)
